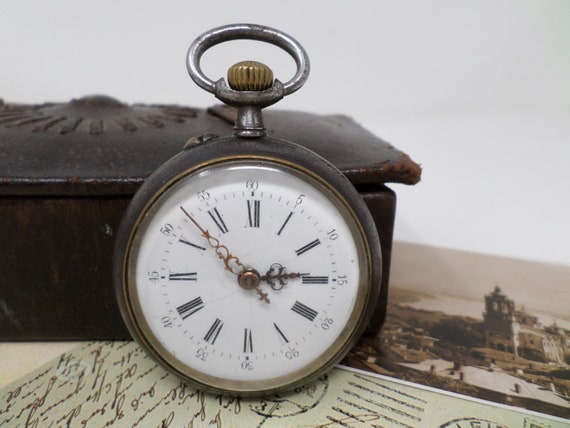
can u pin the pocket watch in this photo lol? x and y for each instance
(247, 264)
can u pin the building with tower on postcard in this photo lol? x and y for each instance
(520, 333)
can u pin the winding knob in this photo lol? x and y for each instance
(250, 76)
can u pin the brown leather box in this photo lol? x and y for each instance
(68, 171)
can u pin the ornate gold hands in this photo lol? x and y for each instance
(277, 276)
(247, 278)
(231, 262)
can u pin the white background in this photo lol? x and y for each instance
(476, 91)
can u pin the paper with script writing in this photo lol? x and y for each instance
(115, 384)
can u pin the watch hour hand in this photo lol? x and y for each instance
(277, 276)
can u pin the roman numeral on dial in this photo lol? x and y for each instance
(190, 308)
(315, 279)
(184, 241)
(304, 311)
(187, 276)
(253, 209)
(307, 247)
(285, 223)
(282, 337)
(247, 340)
(217, 218)
(214, 331)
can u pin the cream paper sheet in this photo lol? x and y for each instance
(106, 384)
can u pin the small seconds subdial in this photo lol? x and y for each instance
(248, 271)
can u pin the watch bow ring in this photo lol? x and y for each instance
(251, 97)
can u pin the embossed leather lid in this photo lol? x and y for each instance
(100, 146)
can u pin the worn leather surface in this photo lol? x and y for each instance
(99, 146)
(359, 154)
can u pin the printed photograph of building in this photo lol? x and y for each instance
(519, 332)
(482, 342)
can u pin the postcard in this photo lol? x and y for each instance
(488, 327)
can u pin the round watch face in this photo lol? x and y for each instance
(247, 275)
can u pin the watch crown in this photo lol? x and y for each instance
(250, 76)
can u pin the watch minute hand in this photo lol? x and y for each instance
(231, 262)
(247, 279)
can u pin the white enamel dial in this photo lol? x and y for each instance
(296, 239)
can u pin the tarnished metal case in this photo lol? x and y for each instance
(68, 172)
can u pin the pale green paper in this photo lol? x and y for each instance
(102, 384)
